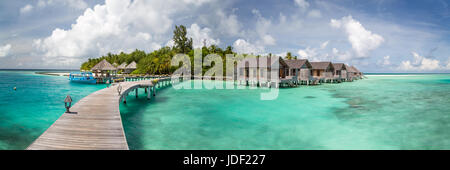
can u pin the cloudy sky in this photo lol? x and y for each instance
(374, 35)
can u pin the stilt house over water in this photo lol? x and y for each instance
(322, 71)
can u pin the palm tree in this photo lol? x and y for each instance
(289, 56)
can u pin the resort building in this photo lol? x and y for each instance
(130, 67)
(103, 71)
(260, 71)
(122, 67)
(301, 69)
(340, 71)
(322, 71)
(352, 73)
(358, 73)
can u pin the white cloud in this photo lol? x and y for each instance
(362, 40)
(324, 45)
(314, 13)
(263, 27)
(76, 4)
(429, 64)
(406, 66)
(420, 63)
(303, 53)
(342, 56)
(302, 3)
(268, 40)
(201, 37)
(217, 18)
(447, 67)
(316, 54)
(243, 47)
(170, 43)
(113, 27)
(417, 58)
(386, 60)
(312, 54)
(27, 8)
(228, 24)
(4, 50)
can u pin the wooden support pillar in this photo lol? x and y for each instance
(145, 90)
(154, 91)
(136, 92)
(125, 98)
(148, 94)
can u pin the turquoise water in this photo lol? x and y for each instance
(38, 101)
(381, 112)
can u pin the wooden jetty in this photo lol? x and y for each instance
(95, 122)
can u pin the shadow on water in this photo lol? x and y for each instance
(15, 136)
(132, 115)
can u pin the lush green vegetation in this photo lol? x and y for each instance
(159, 61)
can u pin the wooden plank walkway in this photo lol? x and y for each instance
(94, 124)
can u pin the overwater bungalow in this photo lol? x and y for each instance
(340, 72)
(323, 71)
(130, 67)
(351, 73)
(259, 71)
(300, 68)
(122, 67)
(103, 71)
(359, 74)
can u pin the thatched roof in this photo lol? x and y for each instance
(356, 69)
(103, 66)
(122, 66)
(132, 65)
(351, 69)
(339, 66)
(297, 64)
(321, 65)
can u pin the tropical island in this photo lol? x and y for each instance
(292, 71)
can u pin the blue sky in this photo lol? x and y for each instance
(374, 35)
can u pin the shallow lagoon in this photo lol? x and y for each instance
(382, 112)
(38, 101)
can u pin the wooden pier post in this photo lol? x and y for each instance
(148, 94)
(136, 92)
(125, 98)
(154, 91)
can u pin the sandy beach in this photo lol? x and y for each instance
(54, 73)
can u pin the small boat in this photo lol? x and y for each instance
(82, 77)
